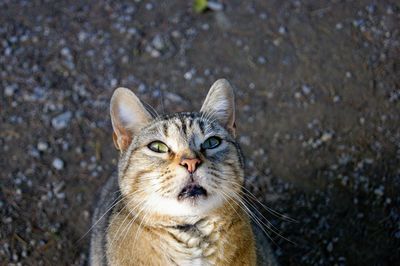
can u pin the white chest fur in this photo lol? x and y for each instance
(195, 245)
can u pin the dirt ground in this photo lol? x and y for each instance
(318, 96)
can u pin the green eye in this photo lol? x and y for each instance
(158, 146)
(211, 143)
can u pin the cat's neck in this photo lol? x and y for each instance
(228, 210)
(192, 240)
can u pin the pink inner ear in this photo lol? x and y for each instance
(115, 139)
(122, 140)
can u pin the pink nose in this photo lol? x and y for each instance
(190, 164)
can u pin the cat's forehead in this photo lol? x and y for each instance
(184, 126)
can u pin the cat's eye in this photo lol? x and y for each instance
(211, 143)
(158, 146)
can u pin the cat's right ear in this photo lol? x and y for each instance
(128, 116)
(220, 104)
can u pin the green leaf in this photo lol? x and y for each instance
(200, 6)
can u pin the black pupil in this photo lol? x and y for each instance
(157, 147)
(213, 142)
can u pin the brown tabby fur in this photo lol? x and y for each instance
(147, 223)
(222, 238)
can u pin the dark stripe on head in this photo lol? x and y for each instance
(191, 122)
(137, 177)
(219, 155)
(216, 174)
(178, 127)
(165, 129)
(128, 163)
(212, 126)
(213, 167)
(234, 169)
(201, 126)
(183, 125)
(239, 152)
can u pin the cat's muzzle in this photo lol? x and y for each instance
(192, 191)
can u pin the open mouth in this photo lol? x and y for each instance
(192, 191)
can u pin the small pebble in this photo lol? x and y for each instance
(336, 99)
(276, 42)
(245, 140)
(306, 89)
(113, 83)
(379, 191)
(173, 97)
(158, 42)
(205, 26)
(188, 75)
(9, 90)
(42, 146)
(262, 16)
(326, 137)
(61, 121)
(261, 60)
(282, 30)
(149, 6)
(215, 6)
(371, 8)
(58, 164)
(329, 247)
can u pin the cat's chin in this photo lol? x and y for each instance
(192, 193)
(188, 205)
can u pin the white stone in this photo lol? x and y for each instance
(42, 146)
(58, 164)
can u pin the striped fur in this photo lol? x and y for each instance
(148, 225)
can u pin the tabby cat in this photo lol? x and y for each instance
(175, 201)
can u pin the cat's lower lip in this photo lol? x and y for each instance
(192, 191)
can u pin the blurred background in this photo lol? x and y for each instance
(318, 106)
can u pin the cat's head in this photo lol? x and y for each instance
(184, 164)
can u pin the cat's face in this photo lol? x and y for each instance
(180, 165)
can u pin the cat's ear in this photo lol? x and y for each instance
(220, 104)
(128, 116)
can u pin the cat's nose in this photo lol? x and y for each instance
(190, 164)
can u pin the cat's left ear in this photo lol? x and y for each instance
(220, 104)
(128, 117)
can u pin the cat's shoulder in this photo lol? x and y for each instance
(106, 200)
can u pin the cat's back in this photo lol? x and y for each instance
(105, 202)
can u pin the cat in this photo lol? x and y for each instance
(180, 178)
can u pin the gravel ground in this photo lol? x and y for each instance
(318, 95)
